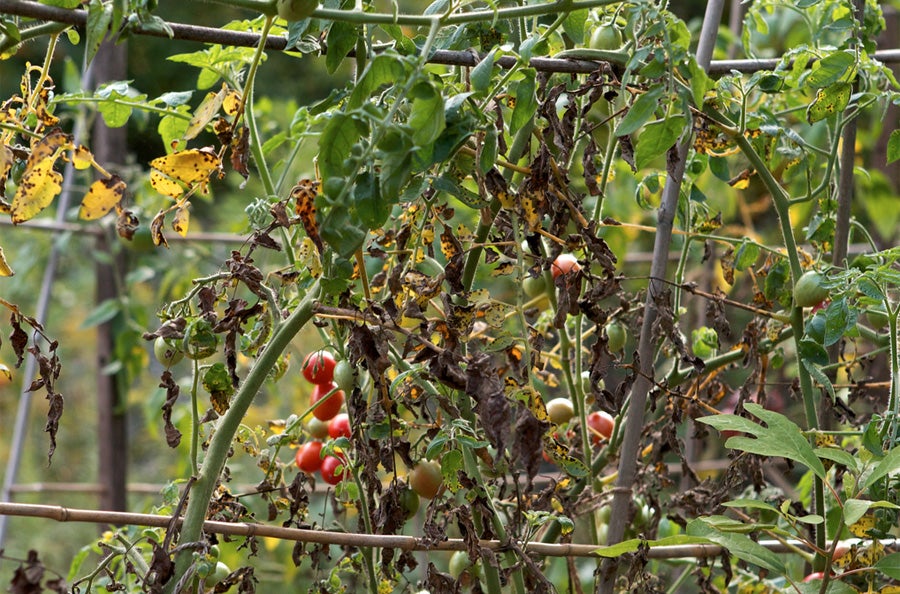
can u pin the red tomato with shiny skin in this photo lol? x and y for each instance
(564, 264)
(329, 470)
(332, 405)
(339, 426)
(601, 426)
(308, 457)
(318, 367)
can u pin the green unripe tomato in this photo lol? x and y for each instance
(409, 502)
(296, 10)
(166, 353)
(810, 289)
(616, 335)
(317, 429)
(534, 287)
(606, 37)
(459, 562)
(222, 571)
(344, 376)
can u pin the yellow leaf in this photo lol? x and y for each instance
(189, 167)
(103, 196)
(5, 375)
(5, 270)
(37, 189)
(205, 112)
(49, 146)
(6, 162)
(182, 220)
(164, 185)
(82, 157)
(232, 102)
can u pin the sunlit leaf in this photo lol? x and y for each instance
(182, 220)
(205, 112)
(739, 545)
(37, 189)
(189, 167)
(102, 197)
(5, 269)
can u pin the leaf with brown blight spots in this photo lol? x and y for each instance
(182, 220)
(82, 157)
(304, 194)
(103, 196)
(37, 189)
(188, 167)
(6, 161)
(232, 102)
(156, 229)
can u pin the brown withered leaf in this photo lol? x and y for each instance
(240, 153)
(626, 150)
(528, 445)
(484, 386)
(18, 338)
(173, 435)
(126, 224)
(727, 263)
(156, 227)
(28, 575)
(438, 582)
(589, 165)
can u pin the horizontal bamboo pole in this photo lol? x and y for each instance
(407, 543)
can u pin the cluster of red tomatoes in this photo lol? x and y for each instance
(328, 421)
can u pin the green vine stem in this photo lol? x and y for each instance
(220, 444)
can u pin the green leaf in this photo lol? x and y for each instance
(893, 148)
(776, 281)
(482, 73)
(104, 312)
(632, 545)
(657, 138)
(342, 233)
(384, 69)
(99, 17)
(751, 504)
(488, 150)
(889, 565)
(831, 69)
(817, 374)
(887, 465)
(843, 458)
(340, 40)
(526, 102)
(338, 138)
(829, 101)
(427, 116)
(639, 112)
(738, 545)
(854, 509)
(781, 438)
(746, 255)
(373, 210)
(812, 352)
(700, 83)
(451, 464)
(171, 130)
(838, 320)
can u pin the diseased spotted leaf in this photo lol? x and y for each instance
(182, 220)
(188, 167)
(5, 269)
(205, 112)
(37, 189)
(102, 197)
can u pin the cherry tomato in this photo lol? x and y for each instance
(817, 575)
(344, 376)
(339, 426)
(332, 405)
(426, 479)
(308, 458)
(616, 336)
(564, 264)
(296, 10)
(810, 289)
(409, 502)
(166, 353)
(601, 426)
(317, 429)
(318, 367)
(329, 470)
(560, 410)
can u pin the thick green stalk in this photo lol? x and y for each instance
(220, 444)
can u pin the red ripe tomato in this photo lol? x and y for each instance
(564, 264)
(318, 367)
(817, 575)
(308, 456)
(601, 426)
(339, 426)
(329, 470)
(332, 405)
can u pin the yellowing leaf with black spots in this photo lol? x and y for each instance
(232, 102)
(188, 167)
(5, 270)
(560, 455)
(861, 527)
(37, 189)
(529, 202)
(7, 158)
(829, 101)
(182, 220)
(503, 269)
(49, 146)
(205, 112)
(308, 255)
(156, 229)
(82, 157)
(103, 196)
(422, 286)
(450, 246)
(304, 195)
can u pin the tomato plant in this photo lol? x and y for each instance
(318, 367)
